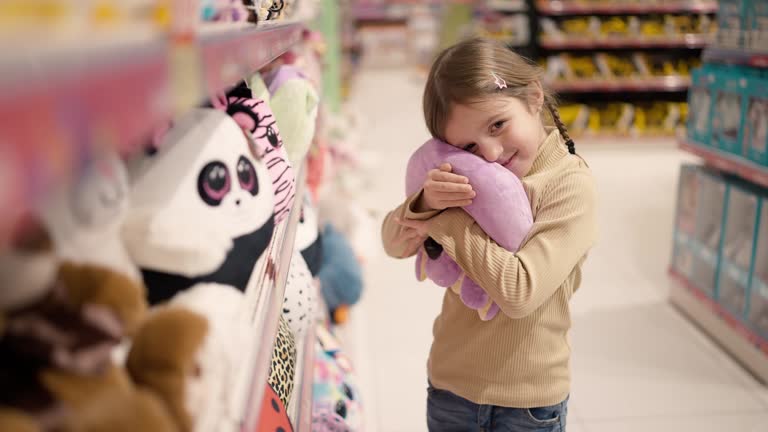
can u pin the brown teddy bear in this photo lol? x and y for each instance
(60, 323)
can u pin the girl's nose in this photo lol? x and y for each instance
(491, 152)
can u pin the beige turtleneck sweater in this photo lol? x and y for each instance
(521, 357)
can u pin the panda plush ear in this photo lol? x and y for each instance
(85, 218)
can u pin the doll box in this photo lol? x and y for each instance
(757, 25)
(731, 23)
(700, 105)
(757, 307)
(685, 220)
(755, 134)
(728, 107)
(737, 249)
(710, 210)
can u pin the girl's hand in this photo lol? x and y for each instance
(443, 190)
(413, 236)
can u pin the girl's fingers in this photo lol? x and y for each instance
(443, 176)
(458, 203)
(446, 167)
(452, 196)
(441, 186)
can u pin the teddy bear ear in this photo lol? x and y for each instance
(162, 242)
(259, 88)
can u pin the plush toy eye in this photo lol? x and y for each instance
(246, 173)
(341, 409)
(213, 183)
(433, 248)
(274, 141)
(348, 392)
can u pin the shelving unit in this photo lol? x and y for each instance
(731, 164)
(266, 310)
(736, 57)
(58, 110)
(637, 52)
(585, 7)
(748, 347)
(685, 41)
(661, 84)
(112, 96)
(718, 285)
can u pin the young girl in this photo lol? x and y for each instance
(510, 373)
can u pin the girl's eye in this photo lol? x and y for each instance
(498, 125)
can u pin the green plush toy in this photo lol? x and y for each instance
(294, 101)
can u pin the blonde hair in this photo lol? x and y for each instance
(468, 72)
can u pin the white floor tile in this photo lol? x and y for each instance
(702, 423)
(645, 361)
(574, 425)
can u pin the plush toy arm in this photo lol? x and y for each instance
(564, 230)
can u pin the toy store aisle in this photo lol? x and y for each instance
(638, 365)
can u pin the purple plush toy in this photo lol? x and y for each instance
(500, 207)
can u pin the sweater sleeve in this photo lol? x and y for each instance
(391, 231)
(563, 232)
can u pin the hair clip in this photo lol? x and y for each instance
(500, 83)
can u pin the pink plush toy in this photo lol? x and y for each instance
(501, 208)
(255, 116)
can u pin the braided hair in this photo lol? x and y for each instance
(561, 127)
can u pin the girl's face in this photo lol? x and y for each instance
(503, 130)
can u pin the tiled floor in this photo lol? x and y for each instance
(638, 365)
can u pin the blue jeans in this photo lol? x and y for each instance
(447, 412)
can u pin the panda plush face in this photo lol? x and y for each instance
(202, 207)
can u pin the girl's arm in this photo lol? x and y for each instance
(564, 230)
(393, 233)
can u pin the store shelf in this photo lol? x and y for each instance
(555, 7)
(227, 57)
(729, 163)
(380, 12)
(574, 43)
(505, 5)
(605, 139)
(736, 57)
(56, 109)
(306, 370)
(743, 343)
(661, 84)
(265, 304)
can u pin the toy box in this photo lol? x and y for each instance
(728, 109)
(755, 134)
(731, 23)
(712, 196)
(700, 105)
(737, 246)
(757, 25)
(685, 224)
(757, 309)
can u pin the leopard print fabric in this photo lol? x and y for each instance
(282, 372)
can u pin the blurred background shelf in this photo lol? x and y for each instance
(624, 7)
